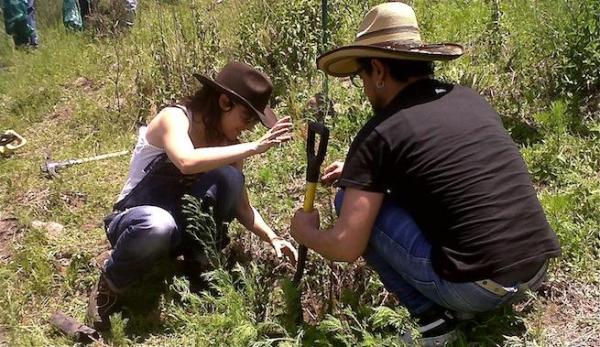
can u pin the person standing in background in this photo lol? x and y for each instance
(19, 21)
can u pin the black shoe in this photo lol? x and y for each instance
(102, 302)
(436, 327)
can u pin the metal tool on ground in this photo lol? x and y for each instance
(9, 141)
(51, 168)
(314, 161)
(72, 328)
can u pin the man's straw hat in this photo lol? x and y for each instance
(389, 30)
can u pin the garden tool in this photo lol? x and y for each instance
(9, 141)
(314, 161)
(50, 168)
(72, 328)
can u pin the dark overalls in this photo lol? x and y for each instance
(148, 224)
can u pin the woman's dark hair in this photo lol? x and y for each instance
(401, 70)
(205, 103)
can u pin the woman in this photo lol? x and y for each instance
(190, 148)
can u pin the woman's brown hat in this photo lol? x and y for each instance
(389, 30)
(246, 85)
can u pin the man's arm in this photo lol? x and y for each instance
(348, 238)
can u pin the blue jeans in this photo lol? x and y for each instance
(141, 235)
(401, 255)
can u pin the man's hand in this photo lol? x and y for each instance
(279, 133)
(303, 223)
(332, 173)
(283, 247)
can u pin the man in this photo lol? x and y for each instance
(436, 196)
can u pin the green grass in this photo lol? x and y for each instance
(82, 94)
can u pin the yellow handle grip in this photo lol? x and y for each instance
(309, 196)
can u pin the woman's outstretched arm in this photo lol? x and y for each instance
(170, 131)
(251, 219)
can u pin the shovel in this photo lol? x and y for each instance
(73, 329)
(314, 161)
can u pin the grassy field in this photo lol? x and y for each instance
(85, 93)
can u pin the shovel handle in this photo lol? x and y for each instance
(314, 161)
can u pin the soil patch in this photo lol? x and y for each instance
(3, 336)
(61, 113)
(37, 199)
(85, 84)
(572, 313)
(10, 232)
(74, 199)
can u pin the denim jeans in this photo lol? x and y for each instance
(401, 255)
(142, 234)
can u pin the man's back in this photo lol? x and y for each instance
(442, 153)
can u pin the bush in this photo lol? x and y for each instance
(576, 53)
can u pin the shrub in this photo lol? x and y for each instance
(576, 53)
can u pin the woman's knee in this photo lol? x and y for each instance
(231, 176)
(161, 224)
(154, 229)
(224, 183)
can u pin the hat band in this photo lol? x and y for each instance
(402, 39)
(408, 30)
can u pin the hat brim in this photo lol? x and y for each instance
(267, 116)
(341, 62)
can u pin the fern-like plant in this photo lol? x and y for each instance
(203, 231)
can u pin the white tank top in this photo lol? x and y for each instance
(143, 154)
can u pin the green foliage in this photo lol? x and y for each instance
(293, 306)
(202, 229)
(79, 267)
(32, 262)
(287, 47)
(556, 121)
(577, 52)
(118, 335)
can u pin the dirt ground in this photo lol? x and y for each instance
(572, 313)
(10, 232)
(3, 337)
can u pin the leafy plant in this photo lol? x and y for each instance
(202, 229)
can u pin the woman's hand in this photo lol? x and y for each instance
(332, 173)
(279, 133)
(283, 247)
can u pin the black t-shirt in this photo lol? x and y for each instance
(442, 153)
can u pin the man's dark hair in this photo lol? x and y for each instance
(401, 70)
(205, 103)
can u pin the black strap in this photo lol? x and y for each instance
(5, 139)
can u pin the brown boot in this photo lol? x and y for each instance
(103, 302)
